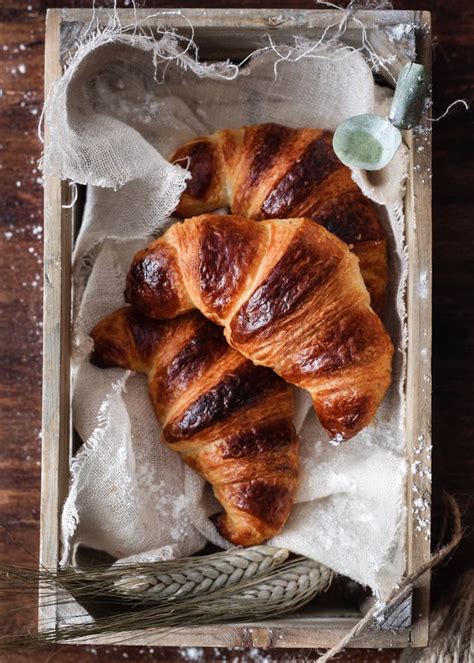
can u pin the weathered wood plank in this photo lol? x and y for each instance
(267, 635)
(229, 17)
(418, 412)
(232, 33)
(56, 346)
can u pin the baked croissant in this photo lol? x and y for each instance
(230, 420)
(268, 171)
(289, 295)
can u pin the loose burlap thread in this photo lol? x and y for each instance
(124, 103)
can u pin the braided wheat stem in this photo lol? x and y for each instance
(199, 575)
(293, 584)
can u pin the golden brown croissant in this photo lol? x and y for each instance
(231, 420)
(268, 171)
(289, 295)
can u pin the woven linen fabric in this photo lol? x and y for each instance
(119, 110)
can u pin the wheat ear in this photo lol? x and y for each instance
(199, 575)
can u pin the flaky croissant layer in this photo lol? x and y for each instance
(269, 171)
(289, 295)
(230, 420)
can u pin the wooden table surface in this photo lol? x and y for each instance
(21, 217)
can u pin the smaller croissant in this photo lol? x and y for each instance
(230, 420)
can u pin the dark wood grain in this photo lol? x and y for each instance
(21, 81)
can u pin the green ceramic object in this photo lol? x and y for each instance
(409, 96)
(366, 141)
(369, 141)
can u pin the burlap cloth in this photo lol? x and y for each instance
(121, 107)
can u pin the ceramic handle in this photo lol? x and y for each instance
(409, 96)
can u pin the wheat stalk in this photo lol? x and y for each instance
(239, 584)
(281, 590)
(199, 576)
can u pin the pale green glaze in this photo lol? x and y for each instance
(366, 141)
(364, 145)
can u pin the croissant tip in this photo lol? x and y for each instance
(245, 537)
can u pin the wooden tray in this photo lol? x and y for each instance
(220, 34)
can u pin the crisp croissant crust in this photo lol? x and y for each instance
(289, 295)
(230, 420)
(268, 171)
